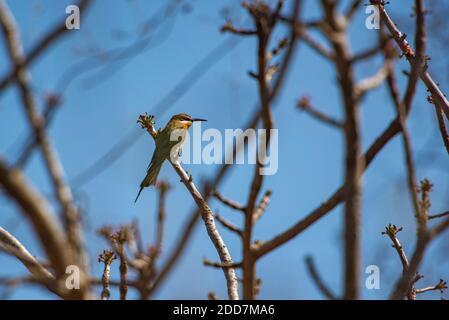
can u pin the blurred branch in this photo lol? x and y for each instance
(12, 246)
(36, 209)
(52, 102)
(228, 225)
(54, 168)
(304, 103)
(440, 286)
(352, 9)
(229, 27)
(442, 126)
(325, 291)
(40, 47)
(221, 265)
(227, 202)
(336, 32)
(416, 60)
(261, 207)
(375, 80)
(106, 257)
(163, 188)
(440, 215)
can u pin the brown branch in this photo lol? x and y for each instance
(214, 235)
(121, 237)
(349, 13)
(375, 80)
(228, 225)
(405, 282)
(305, 104)
(438, 96)
(106, 257)
(228, 202)
(261, 207)
(337, 197)
(319, 48)
(229, 27)
(36, 209)
(325, 291)
(54, 168)
(368, 53)
(391, 231)
(335, 31)
(442, 126)
(440, 286)
(438, 229)
(40, 47)
(439, 215)
(52, 102)
(12, 246)
(221, 265)
(163, 188)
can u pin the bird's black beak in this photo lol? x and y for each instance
(198, 119)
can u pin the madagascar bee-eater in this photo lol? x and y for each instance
(172, 135)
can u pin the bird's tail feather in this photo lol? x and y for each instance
(150, 178)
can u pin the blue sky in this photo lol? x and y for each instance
(101, 105)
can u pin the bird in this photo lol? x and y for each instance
(179, 124)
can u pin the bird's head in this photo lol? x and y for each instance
(182, 121)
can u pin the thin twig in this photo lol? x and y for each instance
(106, 257)
(439, 215)
(305, 104)
(228, 202)
(317, 279)
(221, 265)
(228, 225)
(262, 206)
(437, 94)
(12, 246)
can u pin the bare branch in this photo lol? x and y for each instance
(43, 44)
(391, 231)
(54, 168)
(214, 235)
(228, 225)
(221, 265)
(440, 215)
(228, 202)
(317, 279)
(36, 209)
(261, 207)
(440, 286)
(375, 80)
(442, 126)
(163, 188)
(12, 246)
(229, 27)
(352, 9)
(106, 257)
(438, 96)
(305, 104)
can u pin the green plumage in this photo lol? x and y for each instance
(161, 153)
(178, 124)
